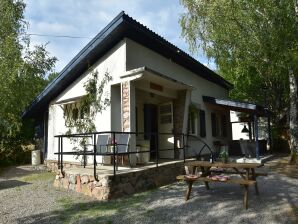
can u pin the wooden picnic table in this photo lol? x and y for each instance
(245, 170)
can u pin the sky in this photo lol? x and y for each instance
(86, 18)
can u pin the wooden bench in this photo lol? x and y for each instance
(228, 171)
(241, 182)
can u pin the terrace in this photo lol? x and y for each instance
(113, 167)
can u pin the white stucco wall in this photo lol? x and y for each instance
(138, 56)
(125, 56)
(112, 62)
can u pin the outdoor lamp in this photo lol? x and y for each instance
(245, 130)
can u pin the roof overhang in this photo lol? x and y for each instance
(244, 107)
(122, 26)
(154, 76)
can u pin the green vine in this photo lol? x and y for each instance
(82, 119)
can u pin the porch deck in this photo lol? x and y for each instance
(108, 170)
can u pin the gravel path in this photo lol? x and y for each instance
(29, 199)
(28, 196)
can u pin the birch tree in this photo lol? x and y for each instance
(23, 74)
(254, 44)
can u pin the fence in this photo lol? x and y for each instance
(176, 143)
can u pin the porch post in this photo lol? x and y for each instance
(257, 136)
(128, 115)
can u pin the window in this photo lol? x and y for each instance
(73, 112)
(224, 125)
(193, 122)
(213, 124)
(219, 125)
(202, 124)
(197, 123)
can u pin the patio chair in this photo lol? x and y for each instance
(248, 148)
(122, 147)
(102, 144)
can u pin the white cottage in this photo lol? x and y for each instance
(153, 85)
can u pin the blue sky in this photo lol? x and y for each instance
(86, 18)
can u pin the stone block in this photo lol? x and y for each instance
(65, 183)
(91, 178)
(127, 188)
(78, 185)
(100, 193)
(97, 183)
(86, 190)
(72, 187)
(72, 179)
(105, 182)
(85, 179)
(91, 185)
(56, 183)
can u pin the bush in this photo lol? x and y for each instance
(12, 153)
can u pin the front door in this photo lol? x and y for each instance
(151, 127)
(166, 138)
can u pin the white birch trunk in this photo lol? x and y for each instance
(293, 117)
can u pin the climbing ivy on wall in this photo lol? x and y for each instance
(82, 118)
(90, 105)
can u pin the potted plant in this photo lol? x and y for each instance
(224, 155)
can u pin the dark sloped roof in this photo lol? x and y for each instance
(120, 27)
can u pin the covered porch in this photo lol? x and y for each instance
(249, 116)
(154, 106)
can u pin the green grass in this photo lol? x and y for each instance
(43, 176)
(99, 211)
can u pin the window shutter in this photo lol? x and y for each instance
(202, 124)
(213, 124)
(224, 125)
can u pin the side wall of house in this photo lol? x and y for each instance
(138, 56)
(113, 62)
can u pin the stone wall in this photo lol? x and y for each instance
(108, 186)
(125, 107)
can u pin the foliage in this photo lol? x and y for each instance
(224, 155)
(254, 44)
(22, 76)
(92, 104)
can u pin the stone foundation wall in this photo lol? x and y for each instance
(108, 187)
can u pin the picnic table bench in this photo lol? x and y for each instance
(248, 176)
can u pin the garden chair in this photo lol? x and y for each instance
(122, 147)
(102, 144)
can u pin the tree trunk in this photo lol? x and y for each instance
(293, 118)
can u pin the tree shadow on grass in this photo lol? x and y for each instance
(5, 184)
(17, 171)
